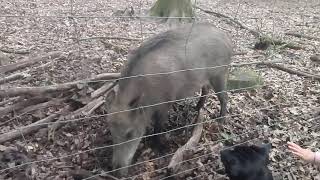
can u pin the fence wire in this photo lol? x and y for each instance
(140, 107)
(73, 17)
(143, 137)
(198, 157)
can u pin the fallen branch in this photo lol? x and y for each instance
(29, 109)
(6, 50)
(36, 91)
(291, 71)
(84, 174)
(95, 104)
(20, 105)
(13, 77)
(189, 146)
(53, 102)
(253, 32)
(28, 62)
(5, 102)
(239, 53)
(111, 38)
(264, 40)
(103, 89)
(303, 36)
(32, 127)
(85, 110)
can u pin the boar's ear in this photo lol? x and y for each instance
(112, 95)
(135, 102)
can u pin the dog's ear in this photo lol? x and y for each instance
(226, 156)
(264, 151)
(230, 162)
(266, 148)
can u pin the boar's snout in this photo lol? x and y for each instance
(126, 135)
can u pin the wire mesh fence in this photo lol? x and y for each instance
(93, 40)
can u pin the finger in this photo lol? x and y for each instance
(298, 154)
(294, 148)
(294, 145)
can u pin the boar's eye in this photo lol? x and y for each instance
(134, 102)
(129, 134)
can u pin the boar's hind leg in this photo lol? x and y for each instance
(219, 86)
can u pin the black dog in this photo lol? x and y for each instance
(247, 162)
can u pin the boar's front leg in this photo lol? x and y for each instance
(204, 93)
(159, 118)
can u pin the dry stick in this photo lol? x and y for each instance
(6, 50)
(111, 38)
(36, 91)
(253, 32)
(83, 174)
(103, 89)
(13, 77)
(303, 36)
(21, 105)
(53, 102)
(97, 104)
(35, 107)
(190, 145)
(291, 71)
(28, 62)
(86, 110)
(32, 127)
(239, 53)
(8, 101)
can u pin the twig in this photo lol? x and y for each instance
(83, 174)
(239, 53)
(291, 71)
(21, 105)
(13, 77)
(110, 37)
(303, 36)
(96, 103)
(8, 101)
(85, 110)
(52, 102)
(253, 32)
(6, 50)
(32, 127)
(36, 91)
(189, 146)
(28, 62)
(103, 89)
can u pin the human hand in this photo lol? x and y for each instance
(305, 154)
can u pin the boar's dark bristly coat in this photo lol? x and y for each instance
(247, 162)
(198, 46)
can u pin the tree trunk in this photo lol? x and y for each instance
(172, 8)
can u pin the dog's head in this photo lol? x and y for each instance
(247, 162)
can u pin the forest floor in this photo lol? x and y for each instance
(281, 110)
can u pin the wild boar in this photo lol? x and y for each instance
(169, 66)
